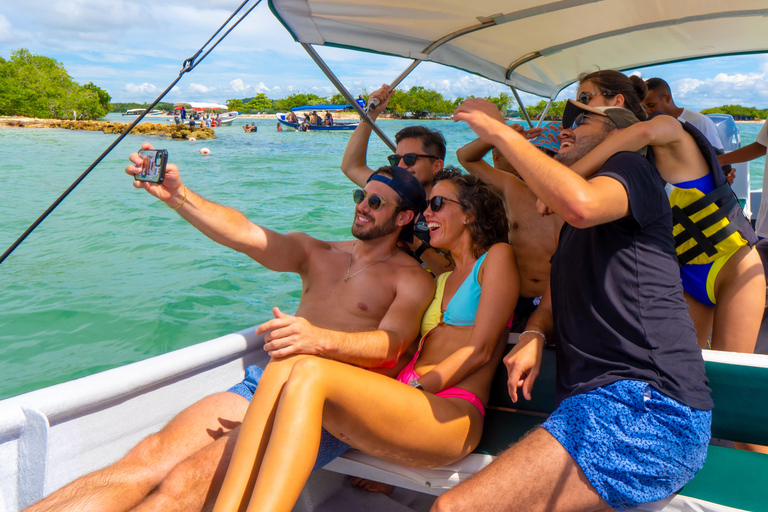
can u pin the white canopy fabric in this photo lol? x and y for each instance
(538, 47)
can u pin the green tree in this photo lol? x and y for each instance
(104, 97)
(337, 99)
(419, 101)
(235, 105)
(297, 100)
(503, 101)
(737, 111)
(260, 102)
(555, 112)
(122, 107)
(38, 86)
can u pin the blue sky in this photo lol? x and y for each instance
(134, 49)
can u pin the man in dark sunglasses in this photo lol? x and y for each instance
(421, 152)
(361, 303)
(615, 308)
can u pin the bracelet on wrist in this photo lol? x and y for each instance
(184, 200)
(535, 332)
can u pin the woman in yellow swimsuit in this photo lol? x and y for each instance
(433, 414)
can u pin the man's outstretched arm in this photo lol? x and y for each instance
(371, 349)
(224, 225)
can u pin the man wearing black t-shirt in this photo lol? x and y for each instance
(632, 425)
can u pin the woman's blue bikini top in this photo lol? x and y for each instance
(462, 308)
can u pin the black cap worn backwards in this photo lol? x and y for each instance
(409, 189)
(405, 184)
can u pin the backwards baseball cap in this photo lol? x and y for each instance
(408, 188)
(405, 184)
(620, 116)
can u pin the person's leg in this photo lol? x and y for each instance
(126, 483)
(740, 292)
(702, 316)
(374, 413)
(536, 474)
(256, 429)
(194, 483)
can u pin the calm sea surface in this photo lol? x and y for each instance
(113, 276)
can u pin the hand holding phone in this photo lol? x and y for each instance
(152, 166)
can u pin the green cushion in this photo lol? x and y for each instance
(740, 394)
(733, 478)
(504, 428)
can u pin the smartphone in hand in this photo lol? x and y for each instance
(152, 165)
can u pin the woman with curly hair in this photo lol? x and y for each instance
(432, 414)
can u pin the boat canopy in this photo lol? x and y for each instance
(540, 46)
(321, 107)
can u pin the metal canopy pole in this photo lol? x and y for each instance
(344, 92)
(522, 107)
(545, 112)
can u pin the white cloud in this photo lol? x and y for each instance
(238, 85)
(199, 89)
(6, 30)
(140, 89)
(748, 89)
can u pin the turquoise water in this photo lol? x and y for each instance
(113, 276)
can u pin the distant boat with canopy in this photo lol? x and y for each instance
(212, 109)
(333, 126)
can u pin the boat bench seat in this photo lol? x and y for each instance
(731, 479)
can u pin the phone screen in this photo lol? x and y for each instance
(152, 165)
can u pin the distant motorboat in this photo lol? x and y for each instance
(212, 109)
(334, 125)
(139, 111)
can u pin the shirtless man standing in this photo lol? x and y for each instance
(534, 237)
(182, 466)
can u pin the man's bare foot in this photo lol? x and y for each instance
(372, 486)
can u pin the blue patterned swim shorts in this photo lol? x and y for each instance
(330, 447)
(634, 444)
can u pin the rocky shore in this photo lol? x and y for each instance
(165, 130)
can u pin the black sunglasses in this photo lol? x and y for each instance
(581, 117)
(409, 158)
(374, 201)
(585, 96)
(437, 202)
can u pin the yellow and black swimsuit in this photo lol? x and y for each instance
(709, 225)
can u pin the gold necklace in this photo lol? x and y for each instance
(349, 267)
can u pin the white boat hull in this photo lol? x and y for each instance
(51, 436)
